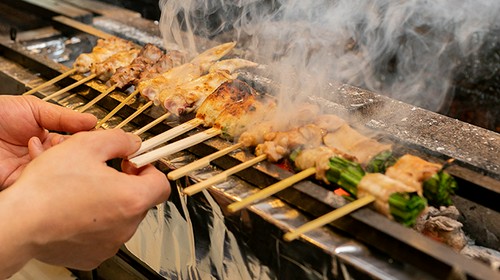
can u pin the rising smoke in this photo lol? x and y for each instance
(407, 50)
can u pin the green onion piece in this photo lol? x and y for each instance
(294, 154)
(439, 188)
(406, 207)
(381, 162)
(345, 173)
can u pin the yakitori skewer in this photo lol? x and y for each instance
(230, 122)
(281, 144)
(105, 38)
(187, 97)
(231, 92)
(308, 136)
(180, 75)
(257, 134)
(105, 57)
(146, 60)
(399, 198)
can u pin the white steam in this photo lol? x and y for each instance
(404, 49)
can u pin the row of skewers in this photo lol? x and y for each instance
(317, 144)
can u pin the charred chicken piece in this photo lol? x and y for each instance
(185, 98)
(351, 142)
(238, 117)
(234, 91)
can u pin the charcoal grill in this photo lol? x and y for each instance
(361, 245)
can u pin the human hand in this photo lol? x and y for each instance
(27, 117)
(69, 208)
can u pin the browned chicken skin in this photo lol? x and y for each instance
(103, 50)
(235, 91)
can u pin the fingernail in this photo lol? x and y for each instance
(134, 137)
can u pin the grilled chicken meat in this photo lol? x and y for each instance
(235, 91)
(317, 157)
(266, 130)
(238, 117)
(188, 97)
(381, 187)
(126, 75)
(150, 88)
(104, 49)
(413, 171)
(283, 143)
(349, 141)
(105, 69)
(166, 62)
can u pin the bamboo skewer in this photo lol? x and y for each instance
(222, 176)
(135, 114)
(147, 158)
(152, 124)
(50, 82)
(203, 162)
(267, 192)
(116, 109)
(167, 135)
(96, 99)
(329, 217)
(70, 87)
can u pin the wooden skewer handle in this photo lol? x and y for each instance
(135, 114)
(167, 135)
(169, 149)
(70, 87)
(116, 109)
(200, 163)
(152, 124)
(222, 176)
(51, 82)
(96, 99)
(330, 217)
(267, 192)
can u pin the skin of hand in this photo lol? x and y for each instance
(24, 125)
(69, 208)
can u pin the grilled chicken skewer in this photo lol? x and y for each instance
(87, 62)
(154, 84)
(234, 91)
(186, 98)
(149, 57)
(314, 153)
(204, 88)
(167, 62)
(257, 134)
(231, 122)
(396, 194)
(103, 50)
(282, 143)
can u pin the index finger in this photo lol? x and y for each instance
(54, 117)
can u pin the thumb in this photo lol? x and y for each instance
(106, 144)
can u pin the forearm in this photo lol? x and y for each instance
(16, 248)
